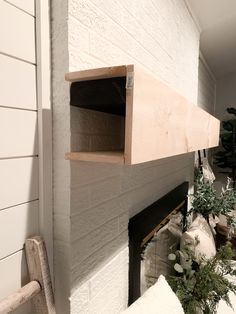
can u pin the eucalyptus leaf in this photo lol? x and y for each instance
(178, 268)
(191, 273)
(172, 257)
(186, 264)
(207, 201)
(202, 285)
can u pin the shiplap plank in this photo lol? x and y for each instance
(18, 181)
(17, 83)
(18, 133)
(16, 224)
(17, 32)
(26, 5)
(13, 273)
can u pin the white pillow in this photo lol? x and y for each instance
(200, 229)
(159, 299)
(223, 308)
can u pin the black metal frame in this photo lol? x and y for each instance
(142, 224)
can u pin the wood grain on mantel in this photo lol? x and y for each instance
(159, 122)
(165, 124)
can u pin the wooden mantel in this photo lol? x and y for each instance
(159, 122)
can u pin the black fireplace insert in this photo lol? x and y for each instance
(143, 226)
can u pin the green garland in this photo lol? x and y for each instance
(206, 201)
(200, 285)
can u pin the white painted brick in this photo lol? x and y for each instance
(80, 142)
(113, 10)
(62, 226)
(95, 122)
(141, 197)
(206, 88)
(91, 243)
(62, 203)
(134, 179)
(84, 12)
(106, 142)
(112, 304)
(106, 275)
(80, 60)
(61, 144)
(94, 18)
(92, 130)
(105, 190)
(79, 35)
(61, 277)
(82, 120)
(76, 309)
(80, 299)
(99, 47)
(114, 275)
(81, 199)
(96, 200)
(85, 173)
(95, 217)
(123, 222)
(91, 265)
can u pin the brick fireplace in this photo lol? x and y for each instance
(145, 224)
(93, 203)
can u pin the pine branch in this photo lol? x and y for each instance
(202, 284)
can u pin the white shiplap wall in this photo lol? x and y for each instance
(18, 142)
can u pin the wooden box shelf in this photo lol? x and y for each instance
(159, 122)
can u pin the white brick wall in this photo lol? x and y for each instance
(206, 88)
(61, 143)
(93, 202)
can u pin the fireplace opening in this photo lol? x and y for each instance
(144, 225)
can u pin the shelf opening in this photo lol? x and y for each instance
(98, 120)
(104, 95)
